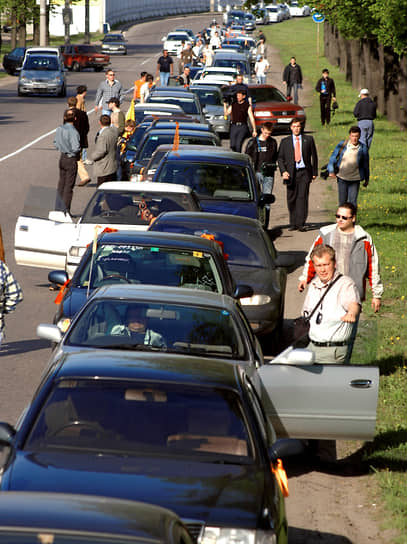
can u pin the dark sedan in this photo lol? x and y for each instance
(62, 518)
(148, 258)
(223, 180)
(252, 258)
(13, 61)
(187, 436)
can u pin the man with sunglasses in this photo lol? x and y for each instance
(356, 255)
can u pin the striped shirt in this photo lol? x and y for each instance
(10, 293)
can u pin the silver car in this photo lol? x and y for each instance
(42, 73)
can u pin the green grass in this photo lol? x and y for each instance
(382, 207)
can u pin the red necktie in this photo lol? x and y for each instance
(297, 149)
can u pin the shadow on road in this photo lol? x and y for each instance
(23, 346)
(303, 536)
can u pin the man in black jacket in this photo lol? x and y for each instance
(365, 112)
(263, 151)
(292, 77)
(326, 89)
(81, 124)
(298, 163)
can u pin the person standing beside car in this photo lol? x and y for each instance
(105, 154)
(165, 67)
(262, 149)
(11, 294)
(365, 113)
(110, 88)
(260, 69)
(326, 88)
(349, 163)
(241, 113)
(292, 78)
(81, 124)
(67, 141)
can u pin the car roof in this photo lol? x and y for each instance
(205, 87)
(232, 55)
(208, 218)
(139, 187)
(162, 239)
(157, 106)
(169, 92)
(150, 367)
(218, 154)
(182, 132)
(87, 513)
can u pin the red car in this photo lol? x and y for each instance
(270, 104)
(79, 56)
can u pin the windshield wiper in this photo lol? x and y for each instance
(130, 347)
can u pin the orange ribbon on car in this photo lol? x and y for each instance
(281, 476)
(219, 242)
(60, 295)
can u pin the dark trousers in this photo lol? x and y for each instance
(68, 168)
(297, 198)
(237, 135)
(325, 104)
(109, 177)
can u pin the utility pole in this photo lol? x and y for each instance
(43, 22)
(67, 18)
(87, 33)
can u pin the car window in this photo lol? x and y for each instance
(132, 208)
(240, 66)
(195, 330)
(133, 418)
(208, 98)
(130, 263)
(41, 63)
(217, 180)
(151, 143)
(188, 106)
(267, 95)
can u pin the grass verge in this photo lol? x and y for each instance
(382, 338)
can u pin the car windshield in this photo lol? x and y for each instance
(140, 114)
(189, 106)
(133, 207)
(208, 98)
(266, 94)
(178, 37)
(209, 180)
(240, 66)
(113, 38)
(42, 63)
(194, 330)
(153, 141)
(242, 246)
(86, 49)
(130, 263)
(137, 419)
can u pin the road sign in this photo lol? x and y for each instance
(318, 17)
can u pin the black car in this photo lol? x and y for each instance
(70, 518)
(251, 257)
(141, 257)
(14, 60)
(183, 433)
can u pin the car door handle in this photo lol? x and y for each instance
(24, 228)
(361, 384)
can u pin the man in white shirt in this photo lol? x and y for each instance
(260, 69)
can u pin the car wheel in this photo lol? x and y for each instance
(98, 68)
(63, 91)
(19, 93)
(76, 66)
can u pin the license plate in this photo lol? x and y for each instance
(285, 120)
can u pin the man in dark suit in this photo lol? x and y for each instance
(104, 155)
(298, 164)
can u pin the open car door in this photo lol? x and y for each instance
(329, 401)
(43, 232)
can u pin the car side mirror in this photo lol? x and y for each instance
(7, 433)
(243, 291)
(266, 198)
(285, 447)
(49, 332)
(291, 356)
(59, 277)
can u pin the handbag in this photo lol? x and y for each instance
(302, 323)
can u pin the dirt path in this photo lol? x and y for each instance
(340, 506)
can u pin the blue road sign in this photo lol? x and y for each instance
(318, 17)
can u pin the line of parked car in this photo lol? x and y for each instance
(157, 389)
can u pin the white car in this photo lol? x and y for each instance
(299, 11)
(173, 42)
(51, 239)
(213, 73)
(274, 14)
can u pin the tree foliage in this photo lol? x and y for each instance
(384, 20)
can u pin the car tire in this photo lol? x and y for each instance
(19, 93)
(98, 68)
(62, 92)
(76, 67)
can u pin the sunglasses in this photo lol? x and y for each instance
(342, 217)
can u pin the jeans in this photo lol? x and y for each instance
(261, 79)
(348, 191)
(164, 78)
(266, 183)
(293, 90)
(366, 131)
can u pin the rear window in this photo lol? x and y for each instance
(188, 106)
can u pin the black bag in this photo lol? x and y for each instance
(300, 332)
(268, 168)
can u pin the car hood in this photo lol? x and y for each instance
(39, 74)
(233, 207)
(277, 106)
(214, 493)
(262, 280)
(210, 109)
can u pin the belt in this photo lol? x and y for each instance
(68, 155)
(299, 169)
(330, 344)
(238, 124)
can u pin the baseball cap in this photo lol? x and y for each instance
(363, 91)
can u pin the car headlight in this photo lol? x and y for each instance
(221, 535)
(255, 300)
(24, 80)
(77, 251)
(63, 324)
(300, 112)
(260, 113)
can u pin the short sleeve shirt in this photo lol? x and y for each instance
(165, 63)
